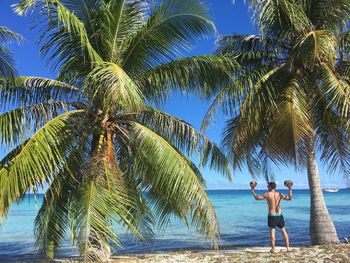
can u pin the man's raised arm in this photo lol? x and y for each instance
(290, 194)
(257, 197)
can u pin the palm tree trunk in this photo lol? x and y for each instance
(322, 230)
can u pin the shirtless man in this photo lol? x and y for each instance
(275, 217)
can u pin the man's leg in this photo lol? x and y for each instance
(272, 239)
(286, 238)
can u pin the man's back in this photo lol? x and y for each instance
(273, 200)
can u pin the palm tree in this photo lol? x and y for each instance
(107, 156)
(291, 95)
(7, 69)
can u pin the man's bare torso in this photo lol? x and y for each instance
(273, 200)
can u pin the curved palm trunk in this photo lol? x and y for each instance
(322, 230)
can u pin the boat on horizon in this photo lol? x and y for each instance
(331, 190)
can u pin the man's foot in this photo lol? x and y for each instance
(272, 251)
(288, 249)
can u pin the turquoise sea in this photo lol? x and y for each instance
(242, 221)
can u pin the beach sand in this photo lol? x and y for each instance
(315, 254)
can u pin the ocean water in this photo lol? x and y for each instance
(243, 222)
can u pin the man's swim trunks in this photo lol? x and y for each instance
(275, 220)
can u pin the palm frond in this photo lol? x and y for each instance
(200, 74)
(73, 25)
(52, 220)
(291, 124)
(332, 132)
(120, 20)
(7, 69)
(97, 205)
(174, 187)
(141, 214)
(280, 17)
(25, 6)
(262, 93)
(110, 86)
(83, 10)
(343, 41)
(39, 159)
(26, 91)
(39, 82)
(336, 90)
(185, 138)
(229, 97)
(240, 140)
(62, 23)
(318, 45)
(16, 124)
(173, 27)
(331, 15)
(237, 43)
(7, 35)
(265, 166)
(217, 102)
(12, 154)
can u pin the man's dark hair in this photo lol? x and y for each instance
(272, 185)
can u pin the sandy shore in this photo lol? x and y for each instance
(317, 254)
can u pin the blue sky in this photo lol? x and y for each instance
(229, 18)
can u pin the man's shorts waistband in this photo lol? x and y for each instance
(275, 214)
